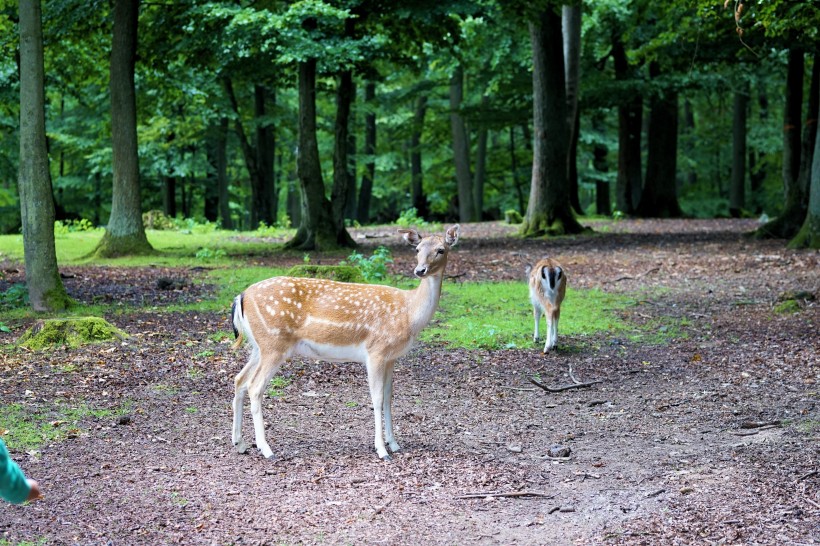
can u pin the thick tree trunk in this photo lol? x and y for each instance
(659, 197)
(125, 233)
(416, 174)
(345, 93)
(369, 151)
(549, 210)
(571, 31)
(689, 131)
(794, 210)
(737, 193)
(461, 148)
(317, 230)
(45, 288)
(630, 123)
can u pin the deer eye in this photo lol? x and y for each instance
(440, 251)
(416, 249)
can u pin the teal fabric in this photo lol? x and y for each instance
(13, 484)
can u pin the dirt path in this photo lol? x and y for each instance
(711, 437)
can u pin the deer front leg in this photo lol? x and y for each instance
(536, 313)
(388, 403)
(552, 330)
(376, 378)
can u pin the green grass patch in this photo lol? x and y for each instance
(277, 386)
(499, 315)
(23, 428)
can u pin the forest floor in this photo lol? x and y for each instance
(707, 435)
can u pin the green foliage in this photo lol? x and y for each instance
(206, 254)
(410, 218)
(61, 227)
(14, 296)
(341, 273)
(374, 268)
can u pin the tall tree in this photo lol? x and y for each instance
(125, 232)
(461, 147)
(417, 187)
(45, 288)
(369, 152)
(317, 230)
(571, 31)
(659, 197)
(798, 148)
(737, 189)
(630, 122)
(345, 92)
(809, 234)
(549, 209)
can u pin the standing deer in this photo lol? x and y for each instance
(548, 284)
(334, 321)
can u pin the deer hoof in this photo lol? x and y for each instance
(387, 458)
(241, 447)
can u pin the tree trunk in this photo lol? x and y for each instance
(265, 201)
(369, 152)
(169, 196)
(794, 212)
(809, 234)
(461, 147)
(125, 233)
(317, 230)
(221, 166)
(416, 175)
(549, 210)
(480, 168)
(603, 203)
(45, 288)
(341, 163)
(757, 158)
(519, 190)
(571, 31)
(689, 147)
(630, 123)
(659, 197)
(737, 194)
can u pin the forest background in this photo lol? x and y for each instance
(437, 110)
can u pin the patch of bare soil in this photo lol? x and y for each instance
(707, 436)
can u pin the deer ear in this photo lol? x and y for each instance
(411, 236)
(451, 236)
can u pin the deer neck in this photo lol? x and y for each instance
(424, 301)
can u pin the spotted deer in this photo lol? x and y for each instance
(548, 284)
(284, 317)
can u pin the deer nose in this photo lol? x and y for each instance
(421, 271)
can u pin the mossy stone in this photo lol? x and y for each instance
(342, 273)
(72, 332)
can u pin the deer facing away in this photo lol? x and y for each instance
(548, 284)
(284, 317)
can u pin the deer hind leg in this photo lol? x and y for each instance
(552, 329)
(259, 378)
(377, 380)
(240, 389)
(387, 406)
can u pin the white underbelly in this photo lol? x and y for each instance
(331, 353)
